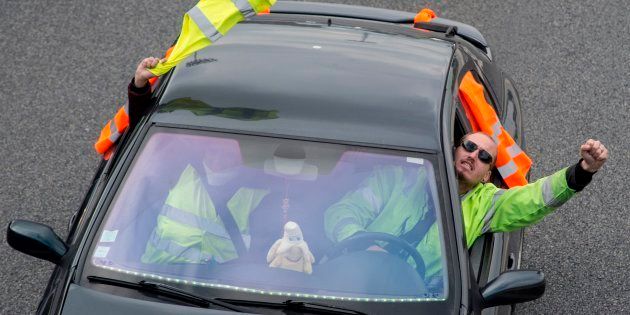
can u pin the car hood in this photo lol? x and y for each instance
(81, 300)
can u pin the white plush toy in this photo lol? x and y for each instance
(291, 251)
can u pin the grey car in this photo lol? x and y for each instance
(340, 91)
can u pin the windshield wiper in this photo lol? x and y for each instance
(295, 306)
(169, 291)
(175, 293)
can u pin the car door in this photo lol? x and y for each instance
(511, 118)
(492, 253)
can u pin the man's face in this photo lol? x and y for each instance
(469, 168)
(221, 166)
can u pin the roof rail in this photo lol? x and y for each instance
(467, 32)
(342, 10)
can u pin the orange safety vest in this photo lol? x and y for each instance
(112, 130)
(512, 162)
(115, 127)
(425, 15)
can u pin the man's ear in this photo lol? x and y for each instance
(487, 177)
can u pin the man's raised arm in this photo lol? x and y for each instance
(525, 205)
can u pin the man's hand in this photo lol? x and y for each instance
(594, 155)
(142, 73)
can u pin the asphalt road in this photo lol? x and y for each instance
(64, 67)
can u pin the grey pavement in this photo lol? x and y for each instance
(65, 65)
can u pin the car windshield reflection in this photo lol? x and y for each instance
(277, 217)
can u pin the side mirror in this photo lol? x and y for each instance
(513, 287)
(37, 240)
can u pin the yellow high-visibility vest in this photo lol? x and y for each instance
(206, 23)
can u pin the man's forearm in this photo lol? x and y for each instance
(139, 100)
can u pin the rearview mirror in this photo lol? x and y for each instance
(513, 287)
(36, 240)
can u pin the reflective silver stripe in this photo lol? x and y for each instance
(113, 131)
(204, 224)
(174, 249)
(496, 131)
(490, 214)
(342, 224)
(372, 199)
(462, 197)
(112, 127)
(204, 24)
(114, 137)
(514, 150)
(548, 196)
(508, 169)
(195, 221)
(245, 8)
(247, 239)
(191, 253)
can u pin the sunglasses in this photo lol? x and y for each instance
(483, 155)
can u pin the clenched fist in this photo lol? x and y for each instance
(142, 73)
(594, 155)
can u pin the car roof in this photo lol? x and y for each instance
(378, 83)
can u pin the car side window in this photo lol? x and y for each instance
(461, 125)
(511, 116)
(480, 252)
(486, 92)
(469, 118)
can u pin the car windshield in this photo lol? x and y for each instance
(280, 217)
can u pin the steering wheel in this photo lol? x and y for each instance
(362, 240)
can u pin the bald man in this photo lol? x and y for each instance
(486, 208)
